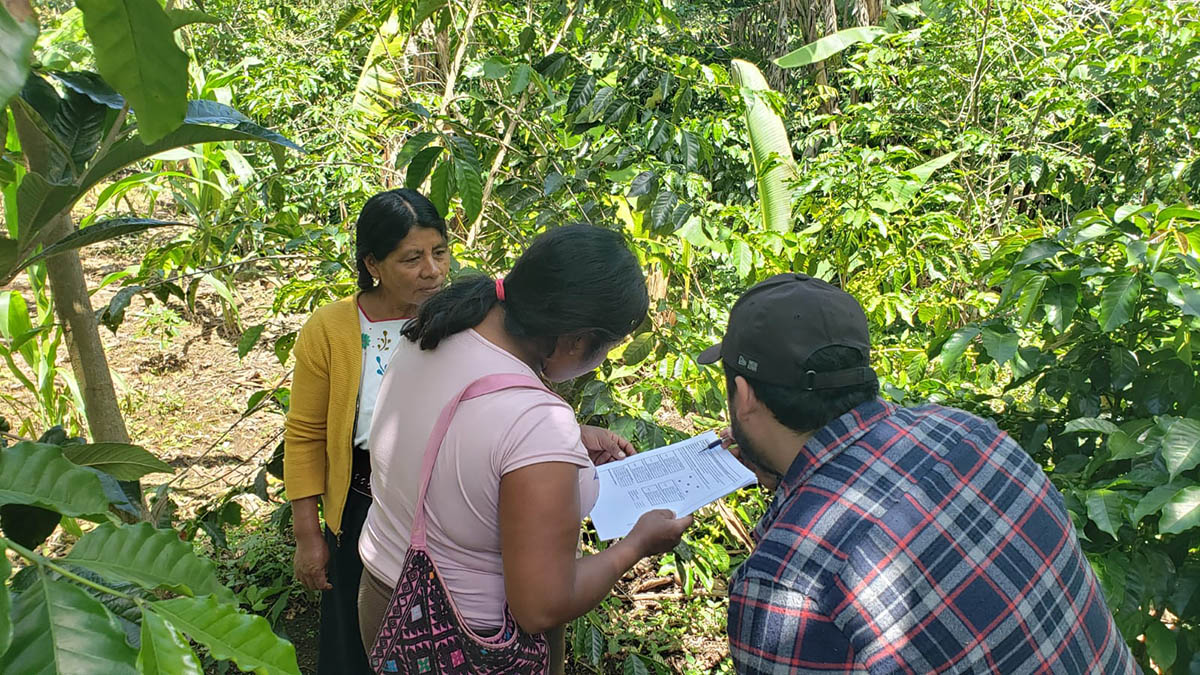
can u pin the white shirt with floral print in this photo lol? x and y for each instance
(379, 340)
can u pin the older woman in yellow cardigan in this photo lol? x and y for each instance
(341, 355)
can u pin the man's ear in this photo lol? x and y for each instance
(746, 402)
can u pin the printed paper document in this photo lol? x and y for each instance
(681, 477)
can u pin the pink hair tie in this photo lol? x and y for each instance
(500, 289)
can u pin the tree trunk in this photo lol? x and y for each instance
(73, 306)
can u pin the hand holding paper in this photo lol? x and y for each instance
(681, 477)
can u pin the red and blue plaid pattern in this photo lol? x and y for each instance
(918, 540)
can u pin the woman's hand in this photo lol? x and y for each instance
(604, 446)
(312, 557)
(658, 531)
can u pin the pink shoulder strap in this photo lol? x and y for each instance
(484, 385)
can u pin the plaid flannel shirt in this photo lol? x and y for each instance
(918, 540)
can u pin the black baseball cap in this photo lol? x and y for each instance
(779, 323)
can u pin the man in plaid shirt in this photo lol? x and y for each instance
(914, 540)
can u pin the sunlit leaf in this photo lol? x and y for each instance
(230, 634)
(120, 460)
(999, 344)
(1104, 508)
(1181, 446)
(821, 49)
(59, 629)
(18, 32)
(164, 651)
(38, 474)
(134, 45)
(769, 145)
(957, 344)
(1116, 303)
(1182, 512)
(152, 558)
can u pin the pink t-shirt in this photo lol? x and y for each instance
(488, 437)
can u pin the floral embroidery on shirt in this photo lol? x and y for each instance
(366, 340)
(384, 341)
(380, 366)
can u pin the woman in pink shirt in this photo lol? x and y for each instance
(514, 476)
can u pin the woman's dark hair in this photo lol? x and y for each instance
(572, 279)
(802, 410)
(385, 220)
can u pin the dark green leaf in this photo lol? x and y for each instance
(1037, 251)
(664, 204)
(26, 525)
(1161, 644)
(1091, 424)
(283, 346)
(601, 101)
(1182, 512)
(957, 344)
(520, 79)
(815, 52)
(6, 627)
(92, 86)
(526, 39)
(1000, 343)
(152, 558)
(468, 176)
(1061, 302)
(1104, 508)
(95, 233)
(186, 17)
(426, 9)
(634, 666)
(639, 349)
(120, 460)
(553, 183)
(1181, 446)
(1117, 301)
(1154, 501)
(347, 17)
(439, 188)
(1031, 295)
(230, 634)
(418, 168)
(412, 146)
(1124, 367)
(38, 474)
(643, 184)
(59, 628)
(1184, 296)
(689, 145)
(595, 646)
(581, 93)
(78, 124)
(135, 50)
(249, 339)
(164, 651)
(8, 258)
(17, 36)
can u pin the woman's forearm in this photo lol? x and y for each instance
(306, 522)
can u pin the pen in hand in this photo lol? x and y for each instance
(713, 444)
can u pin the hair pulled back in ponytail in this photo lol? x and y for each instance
(572, 279)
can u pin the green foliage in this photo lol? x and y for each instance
(830, 45)
(17, 35)
(73, 617)
(136, 53)
(60, 628)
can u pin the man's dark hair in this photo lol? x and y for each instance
(803, 411)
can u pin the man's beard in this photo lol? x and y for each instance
(746, 449)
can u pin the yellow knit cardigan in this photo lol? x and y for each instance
(319, 434)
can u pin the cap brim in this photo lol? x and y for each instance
(710, 355)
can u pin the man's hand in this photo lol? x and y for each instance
(604, 446)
